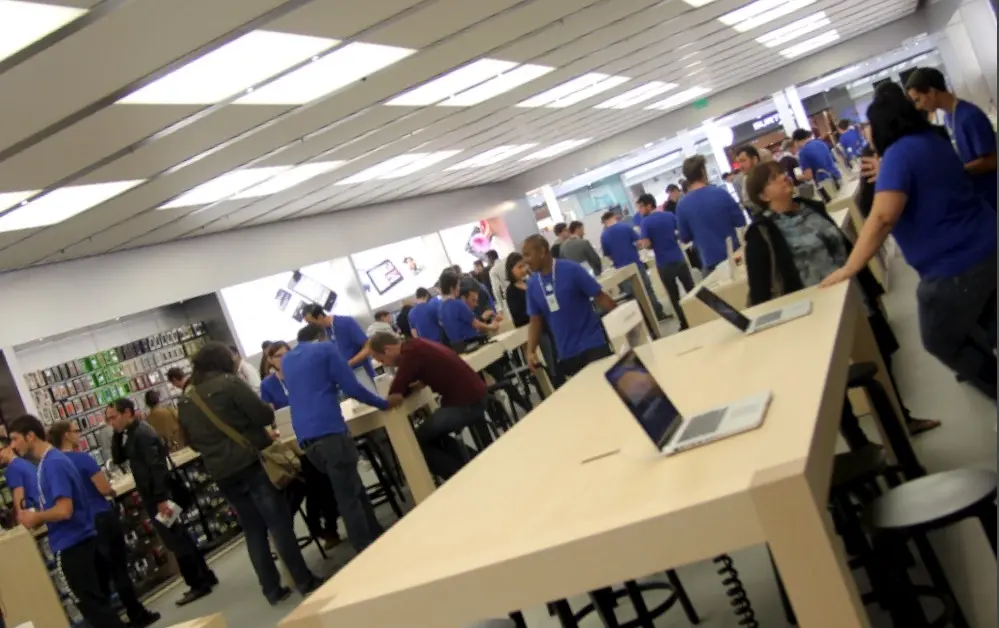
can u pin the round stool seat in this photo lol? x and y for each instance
(860, 465)
(932, 501)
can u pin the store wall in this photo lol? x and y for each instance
(11, 405)
(965, 35)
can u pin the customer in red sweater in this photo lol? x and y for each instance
(420, 363)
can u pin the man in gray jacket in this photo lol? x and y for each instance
(579, 250)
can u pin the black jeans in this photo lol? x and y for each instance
(575, 364)
(77, 564)
(957, 322)
(445, 454)
(627, 288)
(262, 508)
(321, 512)
(336, 455)
(193, 567)
(112, 563)
(670, 273)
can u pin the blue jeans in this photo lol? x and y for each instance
(262, 508)
(445, 454)
(336, 456)
(644, 274)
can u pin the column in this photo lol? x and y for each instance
(548, 193)
(687, 142)
(21, 386)
(800, 116)
(784, 111)
(719, 138)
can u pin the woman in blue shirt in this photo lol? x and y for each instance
(945, 231)
(272, 389)
(707, 215)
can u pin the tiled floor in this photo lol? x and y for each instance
(967, 439)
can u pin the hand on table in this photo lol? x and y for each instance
(394, 401)
(29, 519)
(532, 362)
(838, 276)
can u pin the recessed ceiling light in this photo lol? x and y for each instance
(810, 44)
(492, 156)
(62, 204)
(399, 166)
(289, 178)
(680, 98)
(638, 95)
(760, 12)
(698, 3)
(9, 199)
(556, 149)
(224, 186)
(574, 91)
(794, 30)
(24, 23)
(694, 64)
(231, 69)
(694, 72)
(503, 83)
(453, 83)
(328, 73)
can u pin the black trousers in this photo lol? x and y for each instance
(193, 567)
(575, 364)
(77, 564)
(321, 512)
(670, 273)
(112, 563)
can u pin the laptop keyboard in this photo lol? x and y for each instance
(767, 319)
(703, 424)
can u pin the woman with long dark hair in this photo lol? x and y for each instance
(924, 198)
(517, 273)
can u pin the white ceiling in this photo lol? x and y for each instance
(63, 124)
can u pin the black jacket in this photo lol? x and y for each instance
(141, 447)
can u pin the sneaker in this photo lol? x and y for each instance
(143, 621)
(282, 594)
(193, 594)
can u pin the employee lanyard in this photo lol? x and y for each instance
(553, 281)
(41, 496)
(283, 387)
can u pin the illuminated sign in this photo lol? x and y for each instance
(766, 121)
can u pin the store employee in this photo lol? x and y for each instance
(425, 317)
(22, 478)
(457, 311)
(619, 242)
(347, 334)
(815, 158)
(272, 390)
(559, 294)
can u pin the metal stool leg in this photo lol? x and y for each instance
(369, 450)
(312, 533)
(681, 595)
(938, 577)
(643, 618)
(987, 515)
(604, 603)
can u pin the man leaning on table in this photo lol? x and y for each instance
(315, 373)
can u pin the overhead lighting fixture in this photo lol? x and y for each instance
(9, 199)
(680, 98)
(698, 3)
(62, 204)
(399, 166)
(503, 83)
(810, 44)
(24, 23)
(761, 12)
(794, 30)
(289, 179)
(638, 95)
(326, 74)
(556, 149)
(653, 166)
(453, 83)
(492, 156)
(574, 91)
(251, 183)
(230, 69)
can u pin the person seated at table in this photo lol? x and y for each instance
(517, 272)
(560, 294)
(945, 230)
(707, 216)
(216, 395)
(794, 244)
(457, 316)
(620, 243)
(462, 397)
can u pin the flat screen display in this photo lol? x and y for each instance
(647, 402)
(723, 309)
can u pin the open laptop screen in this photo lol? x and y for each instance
(645, 399)
(723, 309)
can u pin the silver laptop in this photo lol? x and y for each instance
(671, 432)
(753, 325)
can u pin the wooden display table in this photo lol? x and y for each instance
(27, 593)
(575, 497)
(611, 279)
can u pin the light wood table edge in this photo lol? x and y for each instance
(630, 273)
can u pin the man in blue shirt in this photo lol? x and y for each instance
(348, 336)
(707, 216)
(314, 373)
(458, 311)
(22, 478)
(619, 242)
(850, 139)
(659, 234)
(816, 160)
(425, 317)
(561, 294)
(64, 509)
(968, 125)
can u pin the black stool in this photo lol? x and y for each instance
(384, 491)
(500, 417)
(604, 601)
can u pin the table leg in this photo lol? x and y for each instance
(642, 296)
(414, 465)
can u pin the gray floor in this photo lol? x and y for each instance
(967, 439)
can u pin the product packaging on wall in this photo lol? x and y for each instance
(391, 273)
(466, 244)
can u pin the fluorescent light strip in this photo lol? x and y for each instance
(794, 30)
(503, 83)
(399, 166)
(556, 149)
(326, 74)
(453, 83)
(492, 156)
(24, 23)
(289, 179)
(761, 12)
(680, 98)
(637, 95)
(698, 3)
(574, 91)
(62, 204)
(224, 186)
(235, 67)
(9, 199)
(810, 44)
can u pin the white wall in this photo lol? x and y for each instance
(967, 43)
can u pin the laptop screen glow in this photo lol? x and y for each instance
(645, 399)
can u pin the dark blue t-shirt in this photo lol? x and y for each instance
(575, 325)
(852, 142)
(815, 155)
(659, 228)
(88, 468)
(350, 338)
(707, 217)
(58, 478)
(618, 243)
(456, 319)
(975, 139)
(945, 228)
(272, 391)
(425, 318)
(22, 474)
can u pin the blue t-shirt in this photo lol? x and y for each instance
(975, 139)
(22, 474)
(350, 338)
(314, 374)
(87, 467)
(58, 478)
(618, 243)
(660, 229)
(851, 141)
(945, 228)
(456, 319)
(575, 325)
(272, 391)
(815, 155)
(707, 217)
(425, 318)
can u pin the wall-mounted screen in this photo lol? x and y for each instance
(466, 244)
(393, 272)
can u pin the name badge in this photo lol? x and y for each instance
(552, 302)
